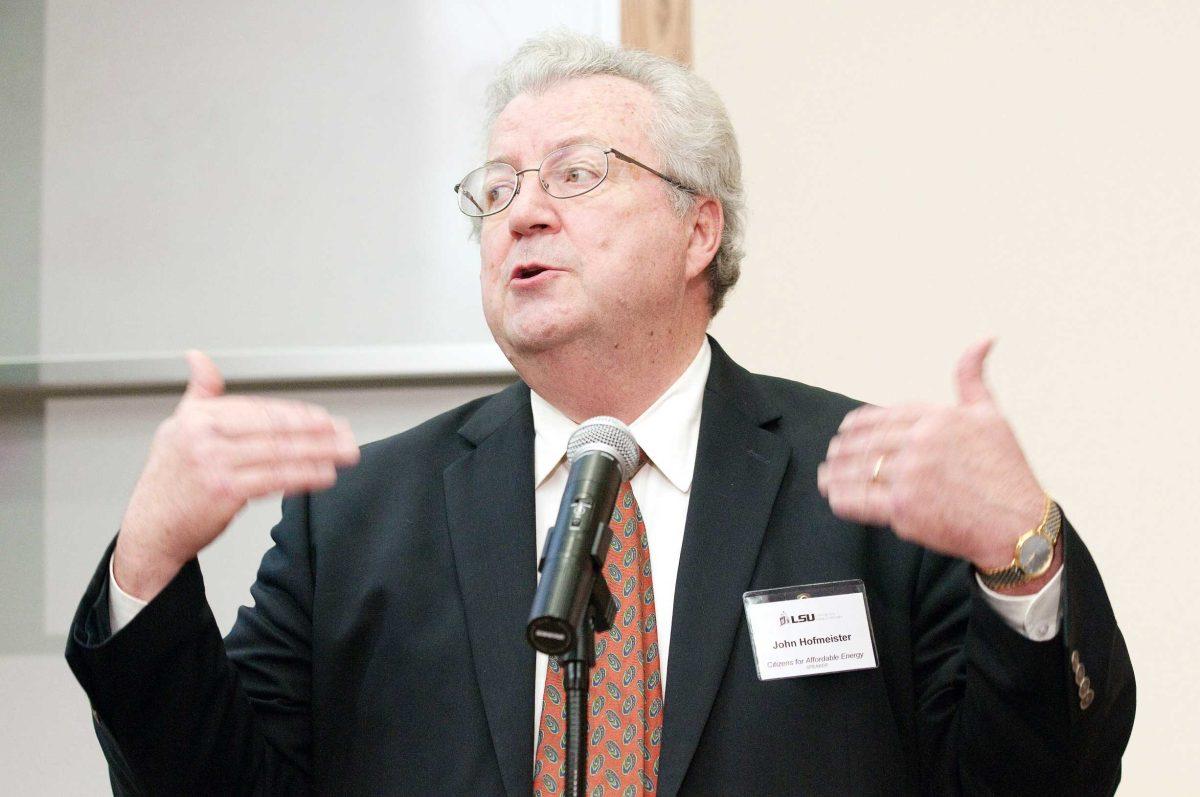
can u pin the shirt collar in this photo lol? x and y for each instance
(668, 431)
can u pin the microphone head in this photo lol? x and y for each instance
(609, 435)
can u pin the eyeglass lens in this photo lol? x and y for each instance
(564, 173)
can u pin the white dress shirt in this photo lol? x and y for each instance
(668, 433)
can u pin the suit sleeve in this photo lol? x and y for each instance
(174, 711)
(1002, 714)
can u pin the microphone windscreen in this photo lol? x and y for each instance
(609, 435)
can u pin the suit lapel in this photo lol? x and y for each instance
(490, 511)
(739, 467)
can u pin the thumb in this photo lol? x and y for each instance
(968, 374)
(205, 380)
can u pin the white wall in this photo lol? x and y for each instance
(274, 174)
(241, 177)
(925, 173)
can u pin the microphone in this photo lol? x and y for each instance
(602, 453)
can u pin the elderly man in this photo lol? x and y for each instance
(385, 653)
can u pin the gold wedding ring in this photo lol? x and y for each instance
(878, 467)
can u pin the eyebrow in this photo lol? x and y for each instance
(581, 138)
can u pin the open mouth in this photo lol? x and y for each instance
(528, 272)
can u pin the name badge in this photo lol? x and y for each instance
(810, 630)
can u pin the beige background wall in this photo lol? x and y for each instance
(922, 174)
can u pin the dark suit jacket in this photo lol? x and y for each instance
(385, 652)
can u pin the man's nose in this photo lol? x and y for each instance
(532, 209)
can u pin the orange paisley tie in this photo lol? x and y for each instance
(625, 694)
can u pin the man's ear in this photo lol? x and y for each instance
(707, 225)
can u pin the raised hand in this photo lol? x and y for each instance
(952, 479)
(214, 454)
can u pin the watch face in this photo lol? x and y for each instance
(1035, 555)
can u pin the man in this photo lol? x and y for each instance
(385, 652)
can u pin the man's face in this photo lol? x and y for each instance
(605, 264)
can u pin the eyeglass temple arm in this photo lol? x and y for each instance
(622, 156)
(459, 189)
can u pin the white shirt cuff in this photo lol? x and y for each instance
(1034, 616)
(122, 607)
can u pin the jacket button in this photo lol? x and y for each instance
(1086, 699)
(1080, 675)
(1085, 686)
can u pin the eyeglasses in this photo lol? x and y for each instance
(567, 172)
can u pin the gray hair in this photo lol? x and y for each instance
(690, 128)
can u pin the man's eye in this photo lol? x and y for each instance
(498, 194)
(575, 175)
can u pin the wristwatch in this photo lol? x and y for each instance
(1033, 554)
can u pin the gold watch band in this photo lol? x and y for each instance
(1014, 574)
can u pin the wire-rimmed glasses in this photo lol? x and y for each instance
(566, 172)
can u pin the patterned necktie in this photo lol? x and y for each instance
(625, 693)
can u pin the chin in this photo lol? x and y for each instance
(529, 336)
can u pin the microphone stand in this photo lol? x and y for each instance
(572, 601)
(577, 664)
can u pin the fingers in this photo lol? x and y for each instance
(286, 477)
(849, 472)
(968, 374)
(242, 415)
(854, 475)
(241, 447)
(266, 448)
(204, 379)
(858, 500)
(871, 442)
(868, 416)
(868, 434)
(236, 416)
